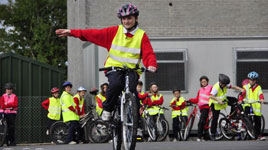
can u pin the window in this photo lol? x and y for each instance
(171, 71)
(252, 59)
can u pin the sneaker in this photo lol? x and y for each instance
(60, 141)
(198, 140)
(175, 140)
(139, 132)
(106, 115)
(262, 138)
(72, 143)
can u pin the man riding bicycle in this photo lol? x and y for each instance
(127, 45)
(253, 93)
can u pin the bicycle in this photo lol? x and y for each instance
(252, 118)
(157, 130)
(97, 131)
(125, 116)
(207, 127)
(182, 123)
(3, 129)
(237, 124)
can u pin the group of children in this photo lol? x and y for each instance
(208, 98)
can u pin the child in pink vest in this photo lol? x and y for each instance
(9, 106)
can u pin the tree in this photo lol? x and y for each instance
(29, 29)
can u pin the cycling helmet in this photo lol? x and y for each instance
(81, 89)
(174, 90)
(224, 79)
(102, 85)
(9, 86)
(127, 10)
(203, 77)
(253, 75)
(54, 90)
(66, 83)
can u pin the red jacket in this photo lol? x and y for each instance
(182, 106)
(45, 104)
(149, 102)
(13, 105)
(104, 38)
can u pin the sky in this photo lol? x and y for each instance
(3, 1)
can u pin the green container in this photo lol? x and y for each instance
(33, 81)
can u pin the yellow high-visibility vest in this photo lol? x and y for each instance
(155, 109)
(125, 50)
(253, 96)
(183, 112)
(221, 95)
(67, 101)
(103, 98)
(54, 109)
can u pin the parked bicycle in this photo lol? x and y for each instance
(3, 129)
(125, 116)
(252, 118)
(237, 124)
(96, 131)
(157, 128)
(195, 113)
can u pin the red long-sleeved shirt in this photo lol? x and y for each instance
(80, 112)
(242, 96)
(45, 104)
(13, 105)
(104, 38)
(148, 101)
(99, 101)
(174, 107)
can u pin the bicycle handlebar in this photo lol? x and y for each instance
(125, 68)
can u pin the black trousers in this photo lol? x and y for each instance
(73, 127)
(50, 122)
(176, 125)
(257, 122)
(202, 122)
(116, 85)
(10, 118)
(215, 117)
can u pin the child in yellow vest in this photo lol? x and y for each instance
(253, 93)
(179, 108)
(53, 106)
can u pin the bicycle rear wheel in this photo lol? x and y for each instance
(249, 127)
(262, 125)
(98, 132)
(188, 128)
(3, 131)
(58, 132)
(162, 129)
(130, 120)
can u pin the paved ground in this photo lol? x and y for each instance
(188, 145)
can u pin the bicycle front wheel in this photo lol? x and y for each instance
(188, 128)
(162, 129)
(3, 131)
(151, 128)
(249, 127)
(58, 132)
(116, 127)
(130, 120)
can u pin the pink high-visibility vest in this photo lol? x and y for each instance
(8, 99)
(204, 93)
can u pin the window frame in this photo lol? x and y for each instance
(247, 49)
(184, 51)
